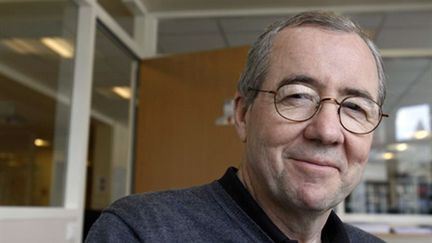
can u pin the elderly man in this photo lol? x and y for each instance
(306, 108)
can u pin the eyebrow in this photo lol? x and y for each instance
(313, 83)
(358, 93)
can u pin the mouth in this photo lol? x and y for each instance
(318, 165)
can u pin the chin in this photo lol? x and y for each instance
(319, 201)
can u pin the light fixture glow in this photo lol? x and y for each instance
(401, 147)
(122, 91)
(398, 147)
(388, 156)
(21, 46)
(38, 142)
(59, 45)
(421, 134)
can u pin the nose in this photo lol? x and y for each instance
(325, 126)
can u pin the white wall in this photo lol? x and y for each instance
(38, 230)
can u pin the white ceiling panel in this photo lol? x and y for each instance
(401, 79)
(188, 26)
(402, 72)
(247, 24)
(368, 20)
(420, 37)
(414, 98)
(406, 64)
(190, 43)
(241, 39)
(408, 19)
(402, 75)
(418, 91)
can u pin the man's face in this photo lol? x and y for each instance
(313, 164)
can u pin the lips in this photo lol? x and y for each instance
(320, 163)
(316, 157)
(317, 162)
(314, 170)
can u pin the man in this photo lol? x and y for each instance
(306, 108)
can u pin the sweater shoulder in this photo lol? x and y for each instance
(198, 214)
(172, 204)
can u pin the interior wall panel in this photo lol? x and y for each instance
(181, 96)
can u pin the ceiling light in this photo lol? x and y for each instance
(122, 91)
(398, 147)
(421, 134)
(388, 156)
(401, 147)
(38, 142)
(59, 45)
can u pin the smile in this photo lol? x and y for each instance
(315, 166)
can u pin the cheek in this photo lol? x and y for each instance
(357, 149)
(267, 137)
(357, 152)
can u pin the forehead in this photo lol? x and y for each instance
(337, 61)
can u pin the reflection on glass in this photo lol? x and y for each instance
(398, 178)
(37, 41)
(110, 130)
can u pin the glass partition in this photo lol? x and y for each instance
(111, 122)
(37, 48)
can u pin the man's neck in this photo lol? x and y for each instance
(304, 226)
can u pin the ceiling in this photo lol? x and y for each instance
(389, 30)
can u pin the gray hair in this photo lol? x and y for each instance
(259, 55)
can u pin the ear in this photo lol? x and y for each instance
(240, 116)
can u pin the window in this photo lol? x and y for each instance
(111, 121)
(37, 44)
(398, 178)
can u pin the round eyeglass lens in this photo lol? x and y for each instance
(359, 114)
(296, 102)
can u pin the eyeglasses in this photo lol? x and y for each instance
(297, 102)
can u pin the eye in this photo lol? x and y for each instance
(297, 99)
(300, 96)
(353, 106)
(296, 95)
(356, 109)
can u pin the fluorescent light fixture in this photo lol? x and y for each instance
(401, 147)
(388, 156)
(398, 147)
(39, 142)
(122, 91)
(421, 134)
(20, 45)
(59, 45)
